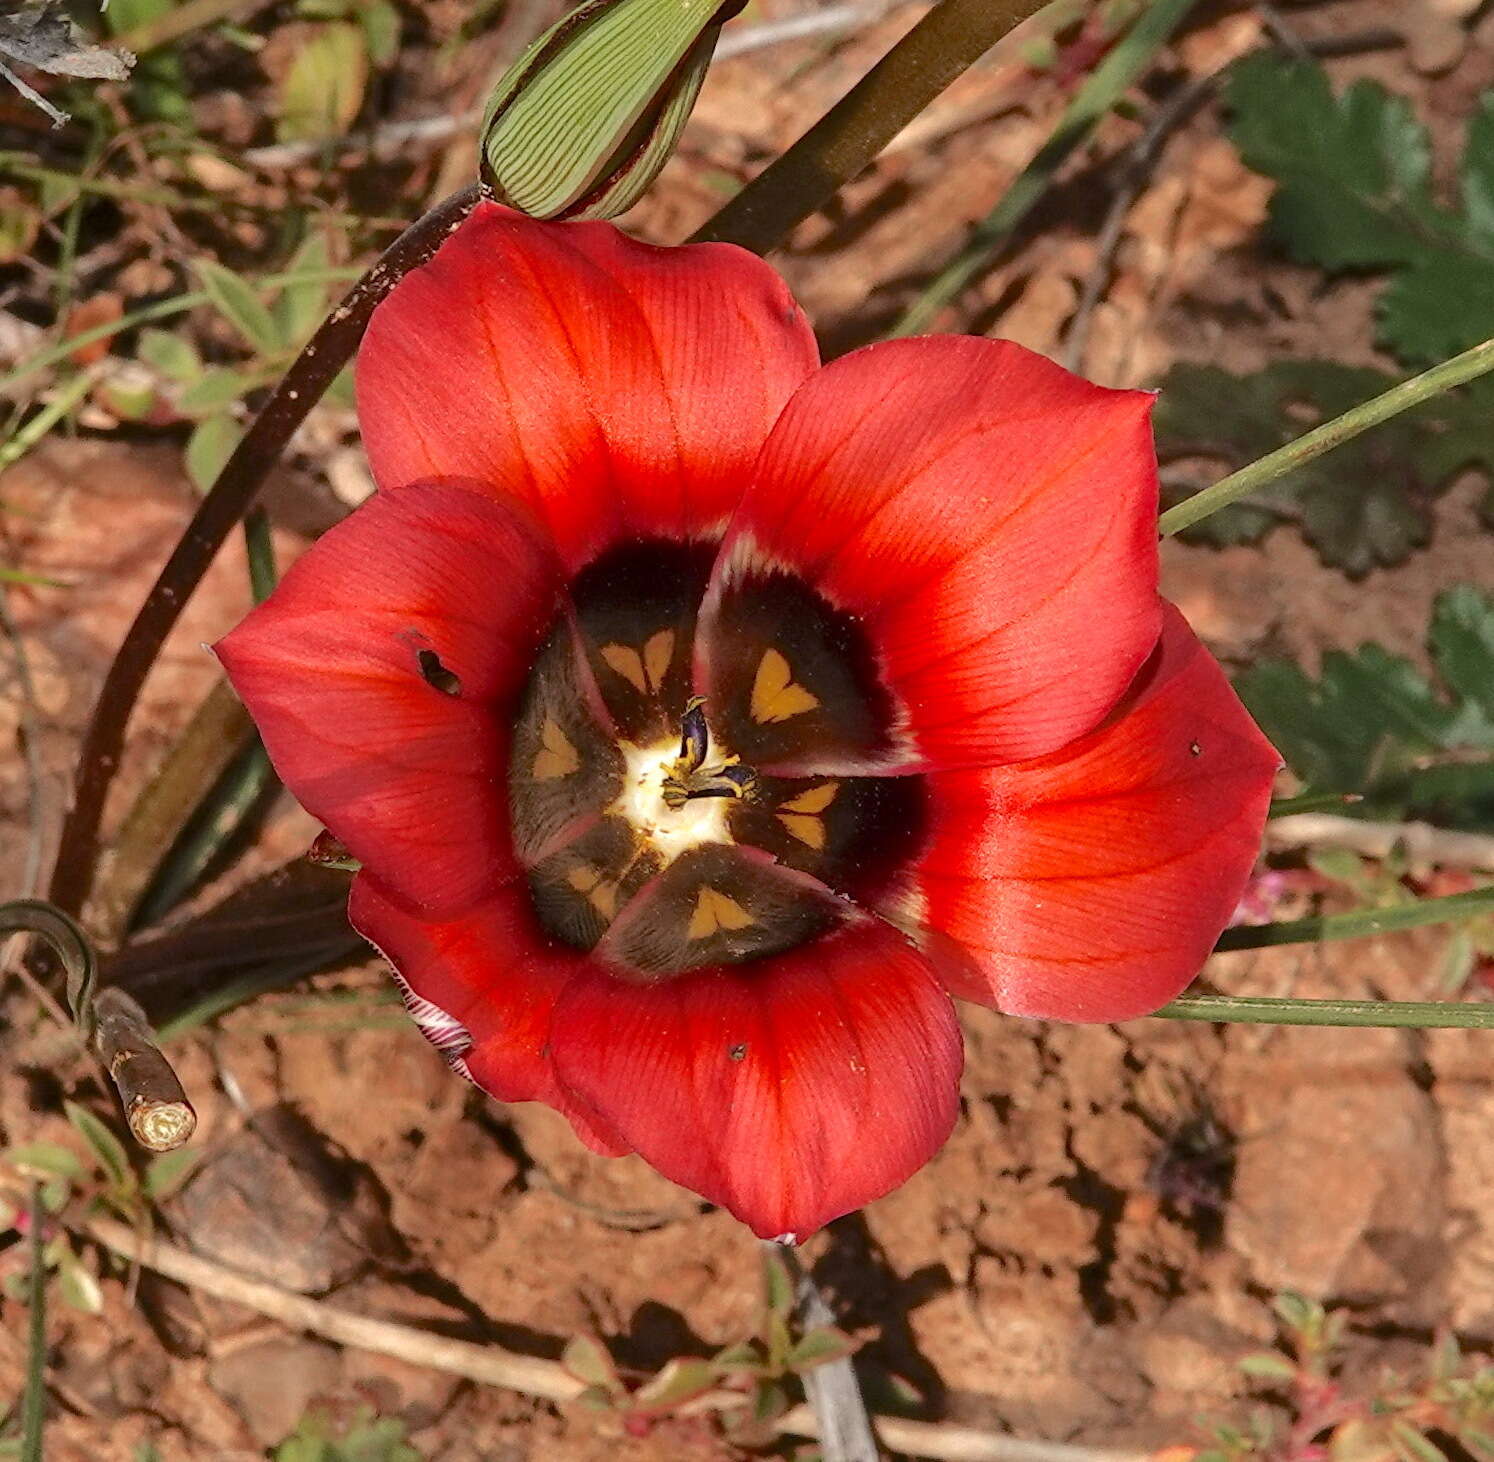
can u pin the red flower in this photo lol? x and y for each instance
(701, 717)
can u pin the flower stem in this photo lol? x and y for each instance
(232, 495)
(1455, 372)
(1360, 922)
(1380, 1014)
(1090, 104)
(34, 1398)
(942, 46)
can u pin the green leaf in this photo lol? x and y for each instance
(77, 1285)
(819, 1347)
(1353, 171)
(104, 1145)
(44, 1158)
(1295, 1312)
(166, 1173)
(1266, 1365)
(1373, 723)
(301, 305)
(681, 1380)
(209, 447)
(216, 388)
(239, 303)
(778, 1284)
(588, 1360)
(380, 22)
(1354, 175)
(323, 90)
(173, 355)
(1367, 504)
(1414, 1445)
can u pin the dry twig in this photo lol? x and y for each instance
(1424, 844)
(490, 1365)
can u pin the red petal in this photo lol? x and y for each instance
(610, 384)
(482, 989)
(989, 517)
(789, 1090)
(411, 778)
(1091, 884)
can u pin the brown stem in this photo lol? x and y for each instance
(231, 497)
(944, 44)
(155, 1106)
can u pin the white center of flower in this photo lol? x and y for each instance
(669, 830)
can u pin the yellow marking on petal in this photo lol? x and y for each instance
(776, 696)
(809, 830)
(658, 652)
(591, 881)
(556, 756)
(628, 663)
(715, 911)
(816, 799)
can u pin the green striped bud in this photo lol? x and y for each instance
(583, 122)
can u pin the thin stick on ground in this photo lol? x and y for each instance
(489, 1365)
(1424, 844)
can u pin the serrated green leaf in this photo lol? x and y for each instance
(239, 303)
(1372, 723)
(322, 91)
(104, 1145)
(211, 445)
(1353, 170)
(1354, 192)
(1365, 505)
(1461, 639)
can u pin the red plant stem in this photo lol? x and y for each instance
(232, 496)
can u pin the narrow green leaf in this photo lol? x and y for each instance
(380, 22)
(1267, 1365)
(1414, 1445)
(301, 305)
(49, 1158)
(681, 1380)
(239, 303)
(34, 1398)
(818, 1347)
(167, 1172)
(104, 1145)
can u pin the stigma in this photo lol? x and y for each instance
(677, 796)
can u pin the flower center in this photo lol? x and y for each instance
(644, 836)
(677, 795)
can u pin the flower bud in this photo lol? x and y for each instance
(584, 121)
